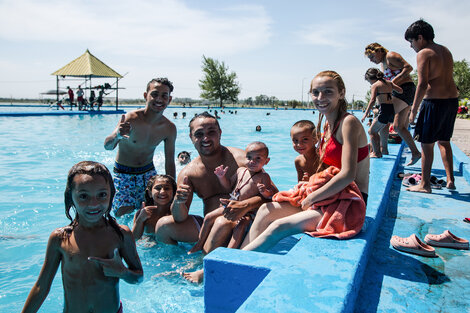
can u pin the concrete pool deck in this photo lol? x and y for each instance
(363, 274)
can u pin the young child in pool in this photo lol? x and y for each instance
(184, 157)
(249, 181)
(304, 139)
(159, 195)
(380, 91)
(89, 249)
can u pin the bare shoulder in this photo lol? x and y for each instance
(351, 121)
(236, 152)
(134, 115)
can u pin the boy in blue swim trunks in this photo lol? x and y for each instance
(438, 93)
(137, 135)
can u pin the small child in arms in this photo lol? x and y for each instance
(304, 139)
(90, 248)
(249, 181)
(159, 195)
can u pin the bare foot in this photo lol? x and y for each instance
(197, 247)
(419, 188)
(450, 185)
(414, 159)
(375, 156)
(194, 277)
(384, 152)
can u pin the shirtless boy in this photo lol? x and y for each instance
(137, 135)
(438, 93)
(304, 139)
(198, 177)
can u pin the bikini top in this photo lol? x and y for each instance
(391, 74)
(333, 149)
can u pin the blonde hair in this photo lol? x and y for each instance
(374, 47)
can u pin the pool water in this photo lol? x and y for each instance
(37, 153)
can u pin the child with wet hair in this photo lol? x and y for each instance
(304, 139)
(90, 249)
(159, 195)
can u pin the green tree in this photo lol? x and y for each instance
(462, 77)
(218, 83)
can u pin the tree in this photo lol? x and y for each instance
(218, 83)
(462, 78)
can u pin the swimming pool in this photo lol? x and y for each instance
(37, 153)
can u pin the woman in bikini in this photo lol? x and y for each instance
(343, 145)
(380, 91)
(397, 70)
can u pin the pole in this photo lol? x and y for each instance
(57, 87)
(117, 91)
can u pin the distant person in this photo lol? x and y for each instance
(80, 99)
(380, 92)
(343, 147)
(90, 249)
(304, 140)
(258, 128)
(439, 96)
(159, 195)
(184, 114)
(184, 157)
(99, 101)
(397, 70)
(137, 135)
(70, 93)
(92, 99)
(175, 115)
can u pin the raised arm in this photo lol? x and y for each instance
(139, 222)
(183, 198)
(121, 131)
(397, 61)
(221, 173)
(41, 288)
(350, 132)
(170, 151)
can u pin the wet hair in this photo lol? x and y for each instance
(305, 124)
(373, 48)
(343, 105)
(184, 152)
(93, 169)
(374, 74)
(419, 27)
(204, 114)
(151, 182)
(262, 146)
(162, 81)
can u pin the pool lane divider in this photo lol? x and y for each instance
(315, 275)
(49, 113)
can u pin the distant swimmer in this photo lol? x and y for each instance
(137, 135)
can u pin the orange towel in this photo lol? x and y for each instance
(343, 213)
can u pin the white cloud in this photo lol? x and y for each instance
(137, 28)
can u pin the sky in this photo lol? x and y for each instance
(274, 47)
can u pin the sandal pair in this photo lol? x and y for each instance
(411, 180)
(413, 245)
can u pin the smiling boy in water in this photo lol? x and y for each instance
(137, 135)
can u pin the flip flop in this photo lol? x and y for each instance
(466, 220)
(413, 245)
(436, 181)
(446, 240)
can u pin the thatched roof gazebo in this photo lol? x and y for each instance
(88, 66)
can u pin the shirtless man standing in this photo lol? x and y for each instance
(198, 177)
(438, 93)
(137, 135)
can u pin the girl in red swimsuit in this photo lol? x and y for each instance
(345, 145)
